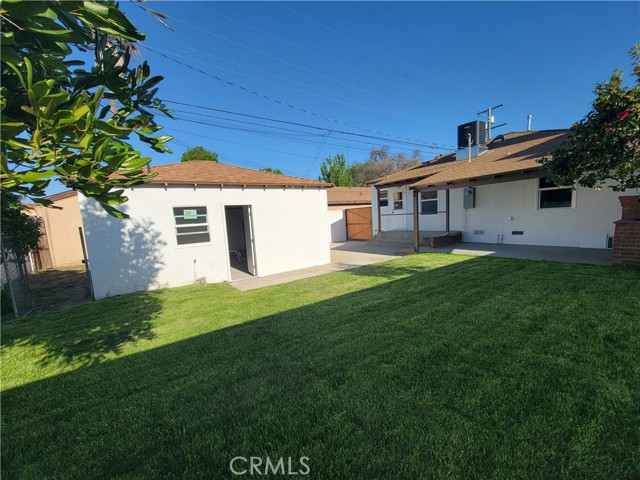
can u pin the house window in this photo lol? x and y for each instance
(191, 225)
(384, 198)
(429, 203)
(551, 195)
(397, 200)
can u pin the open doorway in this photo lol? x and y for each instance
(240, 241)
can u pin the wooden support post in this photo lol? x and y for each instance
(379, 214)
(446, 203)
(416, 223)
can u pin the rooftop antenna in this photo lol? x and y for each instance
(491, 119)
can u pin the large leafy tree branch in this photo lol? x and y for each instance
(604, 145)
(335, 170)
(199, 153)
(67, 123)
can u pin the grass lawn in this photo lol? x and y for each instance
(429, 366)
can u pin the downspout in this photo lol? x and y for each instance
(416, 220)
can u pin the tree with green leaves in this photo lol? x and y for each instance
(199, 153)
(63, 122)
(20, 231)
(272, 170)
(605, 144)
(335, 170)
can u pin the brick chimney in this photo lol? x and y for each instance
(626, 241)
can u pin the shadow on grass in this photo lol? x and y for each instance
(60, 289)
(475, 370)
(125, 256)
(89, 333)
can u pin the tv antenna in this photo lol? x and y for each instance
(491, 119)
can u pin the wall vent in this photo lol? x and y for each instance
(517, 232)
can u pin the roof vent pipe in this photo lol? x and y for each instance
(529, 117)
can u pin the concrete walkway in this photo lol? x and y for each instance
(355, 254)
(593, 256)
(343, 257)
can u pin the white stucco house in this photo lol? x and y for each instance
(496, 192)
(206, 222)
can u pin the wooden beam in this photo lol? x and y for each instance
(446, 207)
(416, 223)
(379, 215)
(489, 180)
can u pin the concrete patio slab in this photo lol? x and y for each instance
(593, 256)
(355, 254)
(344, 256)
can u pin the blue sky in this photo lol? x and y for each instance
(403, 71)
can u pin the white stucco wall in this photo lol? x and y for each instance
(338, 224)
(512, 206)
(291, 231)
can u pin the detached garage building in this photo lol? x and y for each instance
(206, 222)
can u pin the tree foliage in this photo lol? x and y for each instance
(57, 118)
(381, 163)
(199, 153)
(20, 232)
(272, 170)
(605, 144)
(335, 170)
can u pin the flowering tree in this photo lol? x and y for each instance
(604, 145)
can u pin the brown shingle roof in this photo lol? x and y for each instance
(349, 195)
(203, 172)
(519, 151)
(62, 195)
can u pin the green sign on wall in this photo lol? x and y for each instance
(190, 214)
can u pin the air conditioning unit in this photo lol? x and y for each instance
(476, 129)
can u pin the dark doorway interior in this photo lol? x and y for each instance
(237, 242)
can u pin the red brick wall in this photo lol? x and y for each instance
(626, 242)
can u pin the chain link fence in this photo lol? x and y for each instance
(17, 297)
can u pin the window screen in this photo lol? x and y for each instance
(397, 201)
(429, 203)
(551, 195)
(384, 198)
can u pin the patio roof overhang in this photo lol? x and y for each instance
(525, 174)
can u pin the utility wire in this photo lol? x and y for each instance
(299, 132)
(368, 47)
(291, 63)
(326, 57)
(362, 104)
(434, 146)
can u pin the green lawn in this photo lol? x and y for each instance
(429, 366)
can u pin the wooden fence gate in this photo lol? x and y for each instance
(359, 223)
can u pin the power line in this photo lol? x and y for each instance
(226, 155)
(280, 102)
(299, 132)
(361, 104)
(296, 45)
(434, 146)
(351, 39)
(328, 77)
